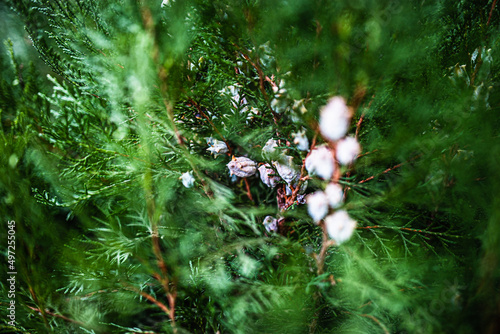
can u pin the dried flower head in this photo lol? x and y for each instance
(347, 150)
(320, 162)
(242, 167)
(317, 205)
(334, 119)
(268, 176)
(340, 226)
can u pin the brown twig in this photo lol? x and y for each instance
(358, 125)
(389, 169)
(369, 316)
(37, 303)
(367, 153)
(491, 12)
(247, 185)
(152, 299)
(327, 243)
(262, 79)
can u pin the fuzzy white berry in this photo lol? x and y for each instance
(317, 205)
(335, 195)
(340, 226)
(320, 162)
(347, 150)
(334, 119)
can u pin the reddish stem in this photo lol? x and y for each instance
(491, 12)
(389, 169)
(249, 194)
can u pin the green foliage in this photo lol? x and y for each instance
(112, 238)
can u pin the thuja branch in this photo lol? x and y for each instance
(200, 110)
(442, 234)
(152, 299)
(153, 214)
(389, 169)
(378, 322)
(43, 313)
(162, 76)
(56, 315)
(262, 79)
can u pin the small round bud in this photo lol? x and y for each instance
(300, 139)
(269, 151)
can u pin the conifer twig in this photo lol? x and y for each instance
(152, 299)
(262, 79)
(295, 191)
(171, 292)
(56, 315)
(442, 234)
(369, 316)
(43, 313)
(212, 124)
(389, 169)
